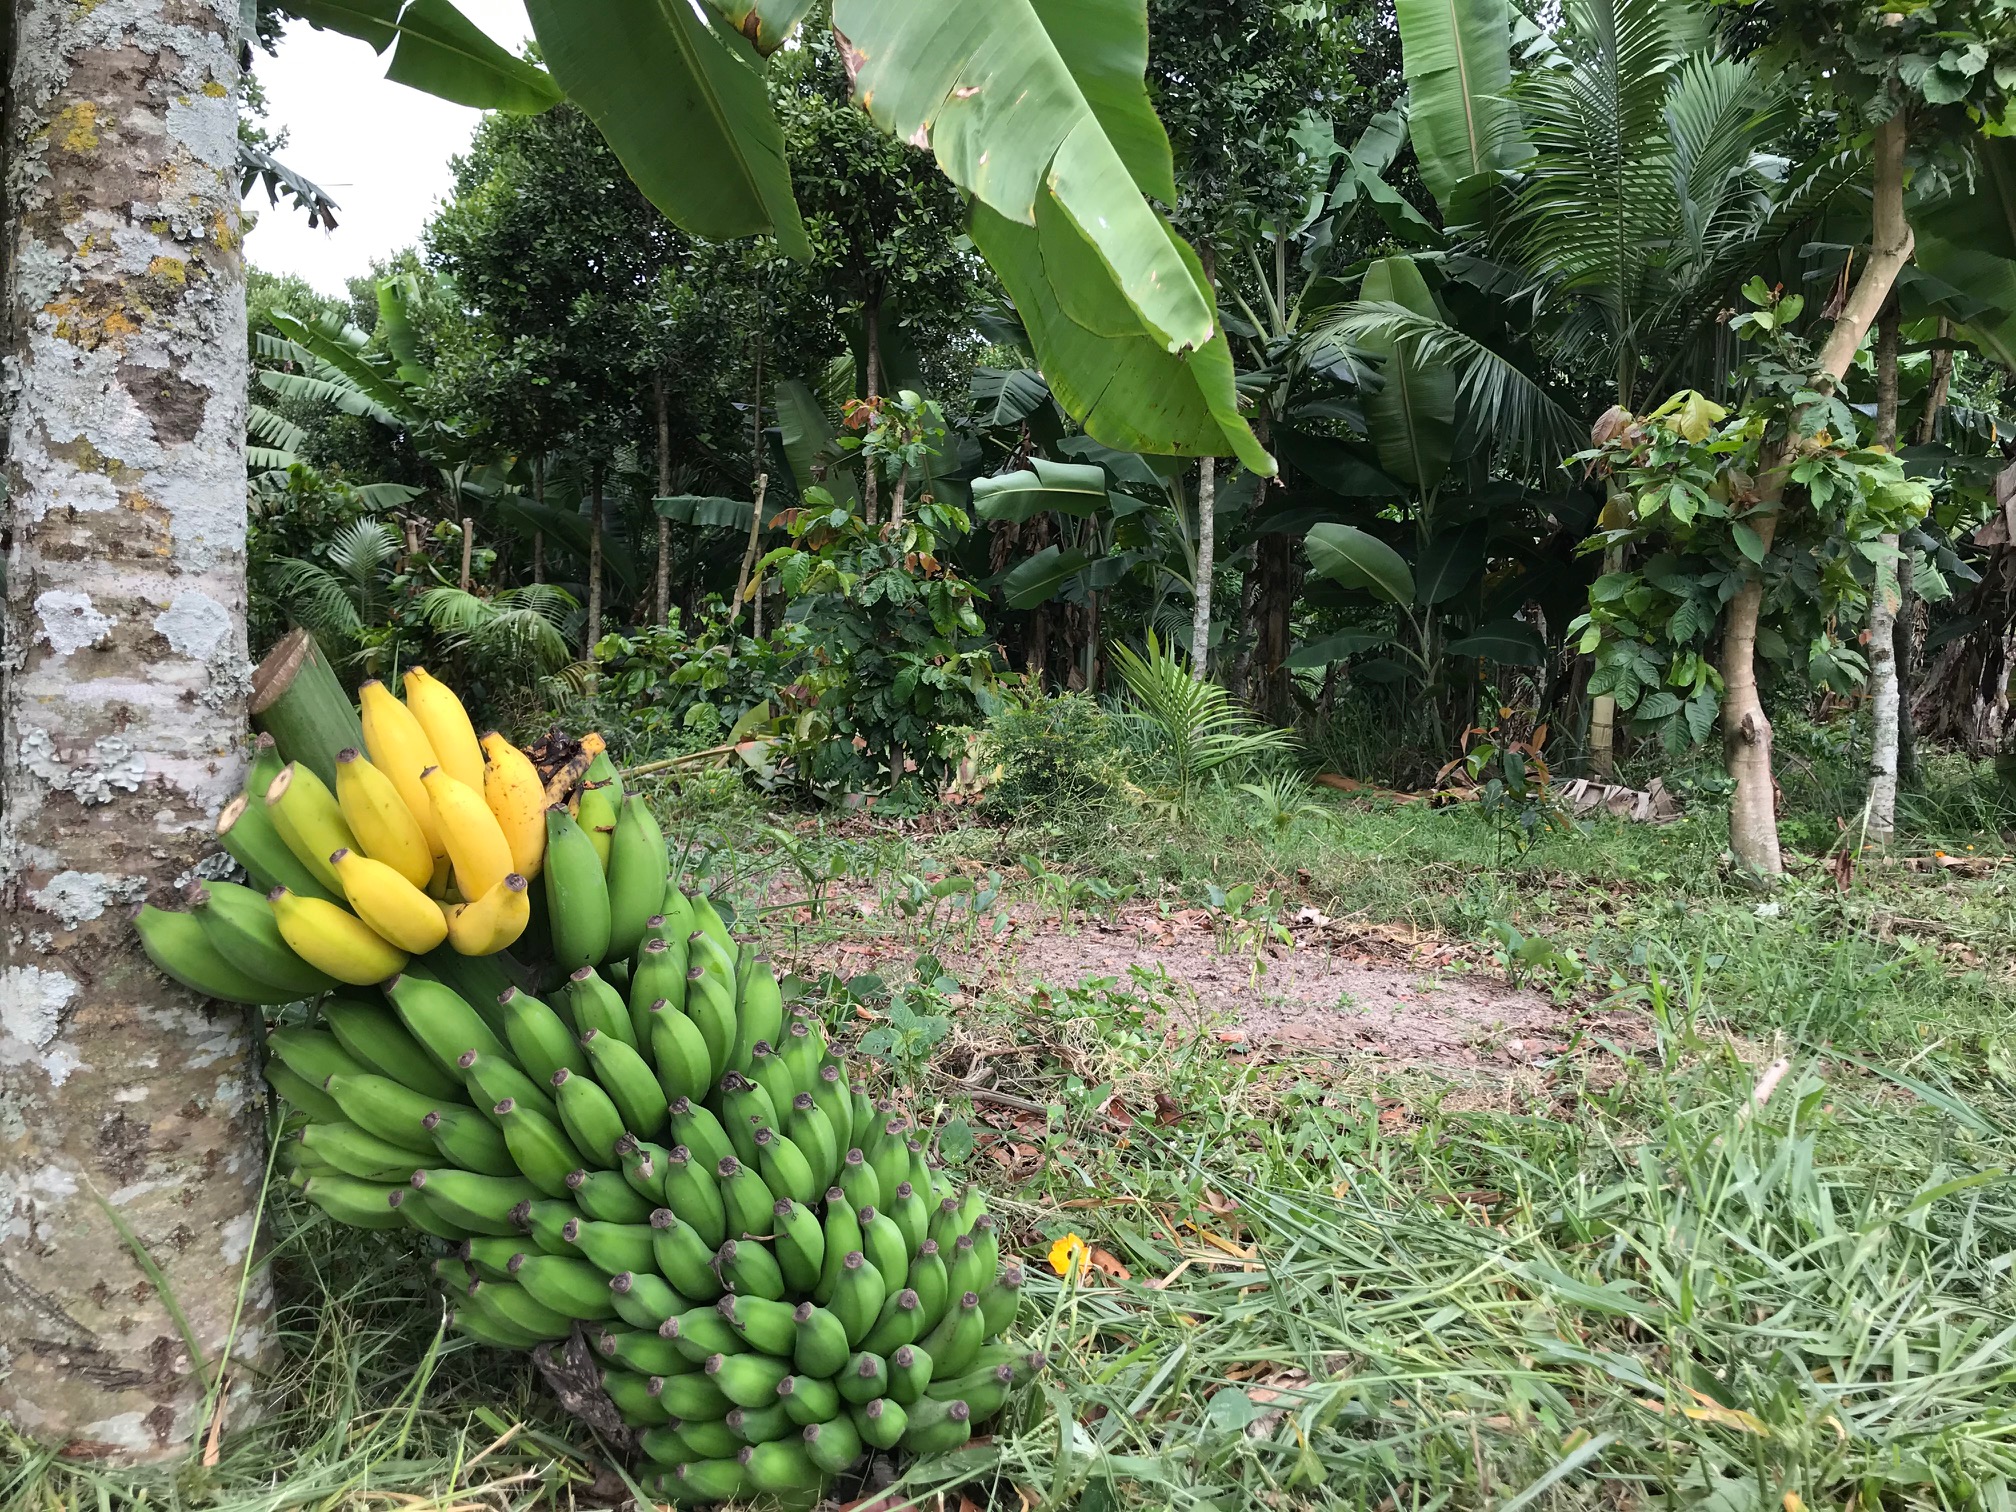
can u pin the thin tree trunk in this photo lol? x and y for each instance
(871, 320)
(539, 536)
(663, 605)
(468, 550)
(594, 627)
(1039, 644)
(1746, 730)
(1904, 638)
(762, 479)
(749, 551)
(132, 1122)
(1207, 545)
(896, 500)
(1880, 821)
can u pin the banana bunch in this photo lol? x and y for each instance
(777, 1273)
(431, 838)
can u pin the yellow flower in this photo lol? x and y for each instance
(1069, 1256)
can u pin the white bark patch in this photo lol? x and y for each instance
(31, 1006)
(78, 897)
(70, 622)
(59, 1062)
(130, 1095)
(235, 1238)
(127, 1431)
(115, 767)
(194, 624)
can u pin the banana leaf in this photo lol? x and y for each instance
(439, 51)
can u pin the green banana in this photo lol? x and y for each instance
(858, 1180)
(383, 1107)
(642, 1164)
(714, 1480)
(972, 1208)
(493, 1079)
(880, 1422)
(606, 1197)
(708, 921)
(642, 1351)
(577, 894)
(711, 1006)
(682, 1256)
(745, 1198)
(1001, 1300)
(759, 1425)
(911, 1216)
(819, 1344)
(766, 1326)
(749, 1270)
(597, 1005)
(785, 1169)
(799, 1243)
(480, 1204)
(766, 1068)
(803, 1049)
(965, 1271)
(678, 1050)
(436, 1015)
(889, 1154)
(660, 972)
(300, 1092)
(643, 1299)
(572, 1287)
(882, 1242)
(478, 980)
(519, 1307)
(489, 1258)
(700, 1333)
(354, 1152)
(540, 1040)
(629, 1081)
(947, 1224)
(598, 802)
(927, 1278)
(494, 1332)
(840, 1233)
(634, 1398)
(985, 1391)
(179, 948)
(467, 1139)
(694, 1194)
(239, 923)
(862, 1125)
(858, 1294)
(589, 1117)
(696, 1127)
(421, 1217)
(897, 1326)
(745, 1107)
(909, 1373)
(545, 1222)
(247, 832)
(379, 1042)
(986, 1236)
(693, 1397)
(677, 911)
(782, 1468)
(759, 1016)
(936, 1427)
(829, 1091)
(612, 1248)
(637, 869)
(747, 1380)
(545, 1155)
(955, 1342)
(834, 1446)
(359, 1203)
(691, 1439)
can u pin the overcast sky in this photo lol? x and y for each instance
(381, 150)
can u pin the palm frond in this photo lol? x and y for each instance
(346, 397)
(522, 627)
(1197, 726)
(274, 429)
(1498, 397)
(317, 598)
(364, 550)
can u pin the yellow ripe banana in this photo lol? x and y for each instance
(447, 726)
(385, 828)
(400, 749)
(388, 903)
(335, 940)
(475, 840)
(308, 818)
(494, 921)
(517, 800)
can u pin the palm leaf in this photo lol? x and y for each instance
(1196, 724)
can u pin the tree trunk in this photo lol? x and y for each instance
(1276, 582)
(1746, 731)
(871, 321)
(122, 723)
(662, 606)
(468, 550)
(1207, 544)
(749, 551)
(1603, 707)
(1880, 818)
(1905, 636)
(594, 627)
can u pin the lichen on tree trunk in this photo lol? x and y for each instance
(121, 722)
(1880, 819)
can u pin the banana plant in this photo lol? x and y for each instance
(1038, 113)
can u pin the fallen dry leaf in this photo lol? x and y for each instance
(1167, 1109)
(1105, 1263)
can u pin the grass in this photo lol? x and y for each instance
(1655, 1286)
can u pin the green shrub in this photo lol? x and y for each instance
(1051, 757)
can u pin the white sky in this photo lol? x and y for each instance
(381, 150)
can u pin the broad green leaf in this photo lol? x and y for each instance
(708, 511)
(1511, 643)
(766, 23)
(1448, 564)
(1969, 242)
(1345, 554)
(1073, 488)
(1115, 378)
(569, 529)
(1008, 396)
(439, 51)
(1333, 465)
(1749, 542)
(1017, 114)
(1457, 56)
(681, 102)
(1412, 417)
(1334, 648)
(808, 438)
(1037, 580)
